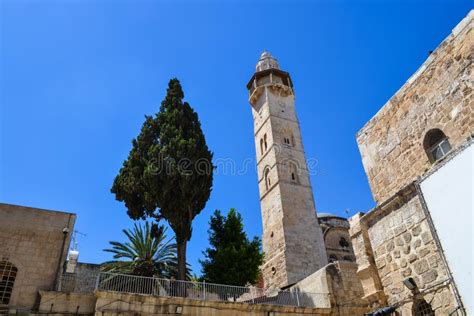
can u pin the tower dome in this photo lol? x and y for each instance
(266, 61)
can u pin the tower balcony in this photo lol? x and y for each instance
(274, 78)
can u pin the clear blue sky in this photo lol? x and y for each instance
(77, 78)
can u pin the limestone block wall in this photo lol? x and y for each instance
(439, 95)
(83, 279)
(335, 286)
(404, 247)
(114, 304)
(53, 302)
(33, 241)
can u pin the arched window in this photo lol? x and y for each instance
(343, 243)
(7, 278)
(422, 308)
(436, 144)
(261, 146)
(288, 139)
(293, 172)
(265, 141)
(267, 178)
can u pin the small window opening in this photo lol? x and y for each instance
(267, 178)
(293, 172)
(422, 308)
(261, 146)
(343, 243)
(436, 145)
(265, 141)
(7, 278)
(348, 258)
(332, 258)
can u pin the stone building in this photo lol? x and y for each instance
(292, 239)
(33, 248)
(417, 154)
(336, 237)
(410, 255)
(296, 251)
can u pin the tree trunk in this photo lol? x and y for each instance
(182, 260)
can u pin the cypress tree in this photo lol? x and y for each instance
(168, 173)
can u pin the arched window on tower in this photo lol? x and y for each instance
(261, 146)
(7, 278)
(267, 178)
(288, 138)
(436, 144)
(293, 172)
(343, 243)
(265, 141)
(422, 308)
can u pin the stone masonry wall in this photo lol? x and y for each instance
(404, 247)
(114, 304)
(438, 95)
(335, 286)
(83, 280)
(33, 240)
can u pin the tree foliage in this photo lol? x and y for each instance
(147, 253)
(232, 258)
(168, 173)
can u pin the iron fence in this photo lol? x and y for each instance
(122, 283)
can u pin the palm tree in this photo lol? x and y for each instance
(146, 253)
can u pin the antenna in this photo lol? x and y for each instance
(74, 238)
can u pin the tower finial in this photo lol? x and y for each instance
(266, 61)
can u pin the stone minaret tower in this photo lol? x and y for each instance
(292, 239)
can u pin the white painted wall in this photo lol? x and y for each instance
(449, 197)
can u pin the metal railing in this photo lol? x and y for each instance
(122, 283)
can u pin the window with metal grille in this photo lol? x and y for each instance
(436, 144)
(422, 308)
(7, 278)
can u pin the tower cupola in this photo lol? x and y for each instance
(266, 61)
(268, 74)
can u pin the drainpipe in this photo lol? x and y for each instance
(60, 259)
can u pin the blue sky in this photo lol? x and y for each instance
(77, 78)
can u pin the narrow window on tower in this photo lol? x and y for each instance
(288, 139)
(261, 146)
(293, 172)
(265, 141)
(267, 178)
